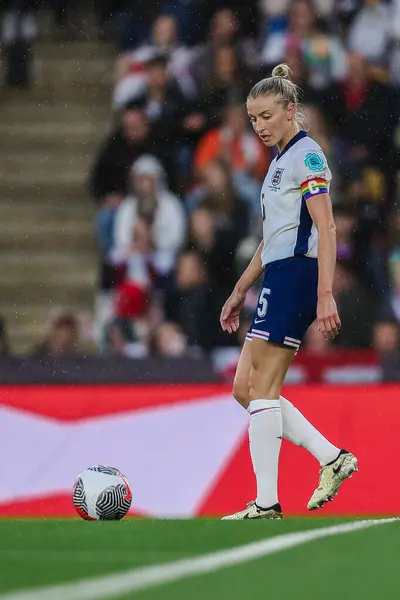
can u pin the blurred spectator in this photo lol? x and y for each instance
(308, 37)
(224, 79)
(391, 301)
(169, 341)
(318, 130)
(132, 73)
(383, 246)
(121, 340)
(105, 224)
(62, 340)
(191, 16)
(189, 300)
(224, 30)
(17, 33)
(386, 337)
(315, 342)
(132, 21)
(165, 109)
(132, 293)
(131, 139)
(234, 144)
(4, 341)
(345, 226)
(220, 221)
(355, 307)
(369, 33)
(152, 201)
(354, 109)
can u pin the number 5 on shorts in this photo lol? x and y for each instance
(263, 302)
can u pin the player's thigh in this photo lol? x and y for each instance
(269, 365)
(241, 383)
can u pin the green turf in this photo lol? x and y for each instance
(360, 565)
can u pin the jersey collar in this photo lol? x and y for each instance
(296, 138)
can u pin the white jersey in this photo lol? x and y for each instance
(299, 172)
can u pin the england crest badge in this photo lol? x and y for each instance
(276, 177)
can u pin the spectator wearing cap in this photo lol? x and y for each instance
(164, 106)
(132, 70)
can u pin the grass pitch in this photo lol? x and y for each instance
(362, 565)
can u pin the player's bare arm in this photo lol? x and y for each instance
(230, 312)
(320, 209)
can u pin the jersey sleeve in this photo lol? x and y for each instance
(311, 173)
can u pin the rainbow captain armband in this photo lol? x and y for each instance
(313, 187)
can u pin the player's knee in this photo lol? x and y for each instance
(263, 385)
(240, 392)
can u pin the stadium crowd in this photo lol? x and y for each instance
(177, 181)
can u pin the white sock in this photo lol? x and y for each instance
(301, 432)
(265, 434)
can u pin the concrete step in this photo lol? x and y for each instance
(52, 213)
(55, 138)
(36, 166)
(65, 189)
(44, 49)
(51, 267)
(72, 71)
(45, 237)
(67, 292)
(22, 113)
(45, 185)
(51, 92)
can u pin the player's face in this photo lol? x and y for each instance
(271, 121)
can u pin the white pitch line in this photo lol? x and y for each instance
(110, 586)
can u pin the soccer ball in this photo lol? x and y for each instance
(101, 494)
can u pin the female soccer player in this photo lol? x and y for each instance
(297, 256)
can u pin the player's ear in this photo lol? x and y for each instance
(291, 111)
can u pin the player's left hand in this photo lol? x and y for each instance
(230, 312)
(328, 321)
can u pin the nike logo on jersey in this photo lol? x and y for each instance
(257, 321)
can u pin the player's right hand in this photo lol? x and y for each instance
(230, 312)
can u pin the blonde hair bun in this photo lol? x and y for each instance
(283, 71)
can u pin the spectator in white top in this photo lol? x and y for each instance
(153, 201)
(369, 33)
(131, 66)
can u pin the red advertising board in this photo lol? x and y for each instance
(184, 448)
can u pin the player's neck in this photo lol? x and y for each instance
(294, 130)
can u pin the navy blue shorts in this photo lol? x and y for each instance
(287, 304)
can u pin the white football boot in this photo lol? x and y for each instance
(255, 512)
(331, 478)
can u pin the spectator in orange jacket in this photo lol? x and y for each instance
(235, 145)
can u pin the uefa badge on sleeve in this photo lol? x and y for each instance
(314, 161)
